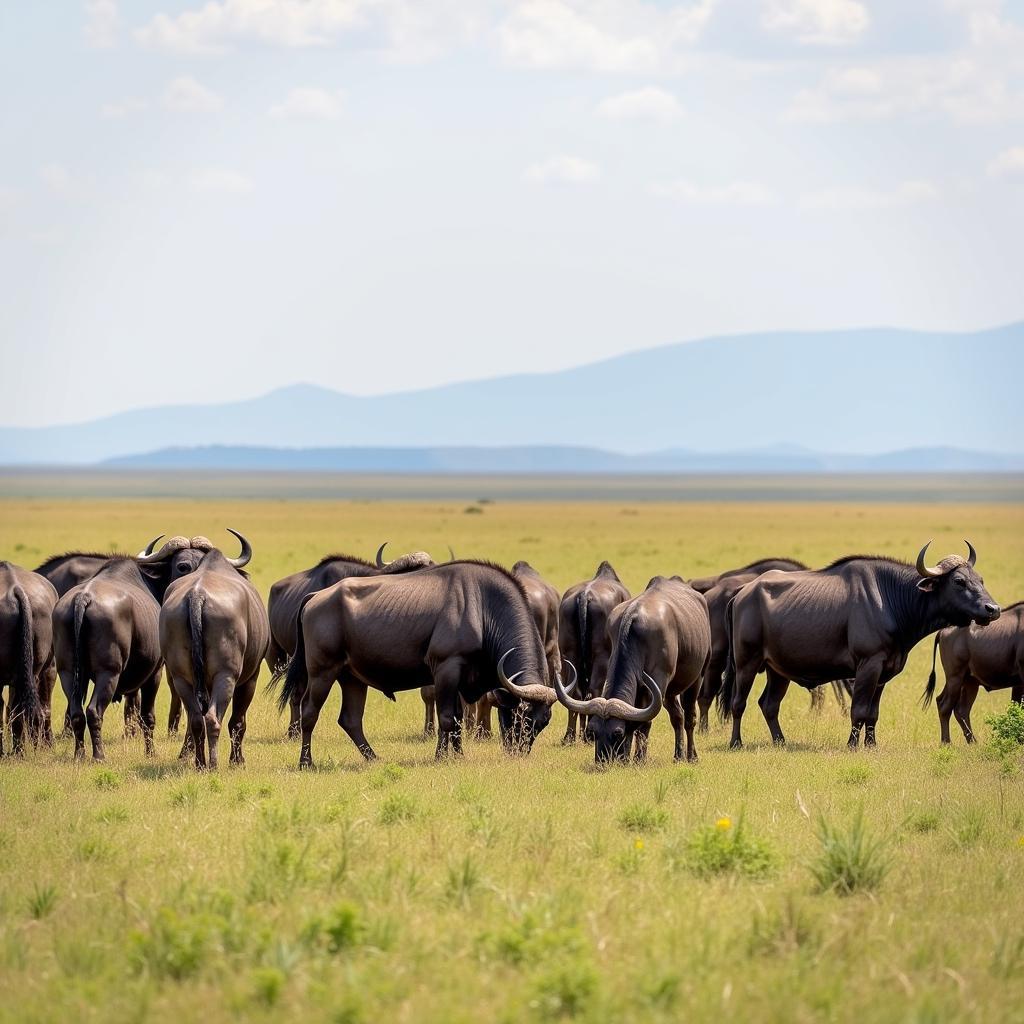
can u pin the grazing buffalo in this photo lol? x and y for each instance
(992, 657)
(543, 601)
(859, 617)
(106, 630)
(583, 633)
(214, 634)
(660, 639)
(454, 626)
(702, 584)
(287, 595)
(26, 654)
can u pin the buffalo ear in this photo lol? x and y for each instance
(926, 584)
(504, 699)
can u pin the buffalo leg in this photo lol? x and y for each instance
(102, 694)
(483, 718)
(353, 705)
(3, 724)
(295, 714)
(427, 696)
(147, 711)
(220, 697)
(771, 700)
(744, 681)
(872, 720)
(17, 718)
(174, 712)
(947, 700)
(868, 675)
(318, 689)
(236, 725)
(688, 699)
(817, 700)
(75, 712)
(968, 695)
(195, 741)
(47, 679)
(710, 686)
(447, 678)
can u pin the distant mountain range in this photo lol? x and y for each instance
(749, 402)
(561, 459)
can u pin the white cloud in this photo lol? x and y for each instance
(817, 22)
(404, 29)
(569, 170)
(650, 103)
(101, 23)
(220, 179)
(855, 197)
(315, 104)
(1009, 164)
(186, 95)
(124, 108)
(736, 193)
(602, 35)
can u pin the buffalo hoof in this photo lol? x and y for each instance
(569, 740)
(779, 741)
(736, 744)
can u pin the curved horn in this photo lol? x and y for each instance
(580, 707)
(381, 564)
(923, 569)
(972, 555)
(148, 549)
(165, 552)
(613, 707)
(536, 692)
(451, 554)
(246, 555)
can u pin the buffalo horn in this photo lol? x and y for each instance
(165, 552)
(972, 555)
(923, 570)
(381, 564)
(148, 550)
(537, 692)
(246, 554)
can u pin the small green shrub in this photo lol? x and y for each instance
(463, 880)
(340, 929)
(925, 821)
(112, 815)
(106, 778)
(942, 762)
(850, 860)
(566, 989)
(727, 848)
(42, 901)
(854, 775)
(397, 808)
(533, 936)
(187, 794)
(1008, 726)
(969, 829)
(173, 946)
(643, 818)
(268, 984)
(386, 775)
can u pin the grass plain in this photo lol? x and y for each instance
(537, 888)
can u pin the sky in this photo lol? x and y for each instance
(207, 200)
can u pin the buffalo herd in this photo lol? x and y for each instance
(475, 638)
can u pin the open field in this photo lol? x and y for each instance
(517, 889)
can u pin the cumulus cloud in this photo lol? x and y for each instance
(650, 103)
(101, 23)
(220, 179)
(607, 35)
(407, 29)
(817, 22)
(305, 103)
(187, 96)
(855, 197)
(1009, 164)
(570, 170)
(736, 193)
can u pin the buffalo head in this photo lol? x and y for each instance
(181, 555)
(612, 721)
(524, 711)
(958, 589)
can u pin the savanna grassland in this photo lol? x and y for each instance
(538, 888)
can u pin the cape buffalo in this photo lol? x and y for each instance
(287, 595)
(702, 584)
(177, 556)
(583, 634)
(660, 638)
(992, 657)
(718, 598)
(455, 626)
(26, 653)
(543, 601)
(859, 617)
(214, 634)
(105, 629)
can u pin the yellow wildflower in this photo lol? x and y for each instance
(638, 844)
(723, 824)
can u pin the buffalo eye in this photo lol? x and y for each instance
(959, 581)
